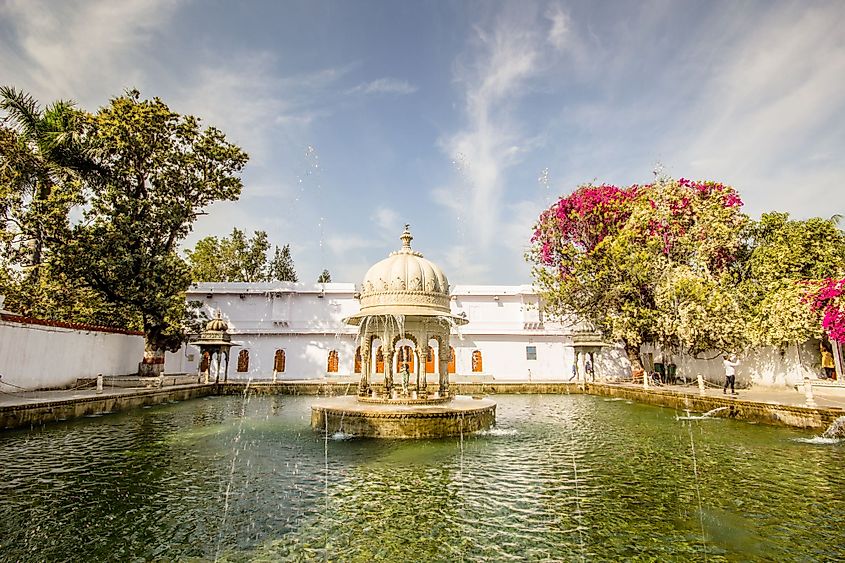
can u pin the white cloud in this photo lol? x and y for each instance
(242, 98)
(774, 103)
(384, 86)
(342, 245)
(496, 74)
(463, 263)
(387, 222)
(79, 50)
(559, 32)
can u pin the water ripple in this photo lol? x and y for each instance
(559, 478)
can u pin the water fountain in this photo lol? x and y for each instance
(836, 430)
(405, 306)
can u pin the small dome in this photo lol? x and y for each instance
(405, 283)
(217, 324)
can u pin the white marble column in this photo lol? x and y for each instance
(444, 358)
(422, 353)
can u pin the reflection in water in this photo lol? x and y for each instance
(560, 478)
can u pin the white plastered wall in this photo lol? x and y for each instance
(43, 357)
(762, 366)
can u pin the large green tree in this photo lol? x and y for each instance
(45, 161)
(157, 170)
(235, 258)
(644, 263)
(42, 158)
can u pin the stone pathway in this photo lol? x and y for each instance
(39, 397)
(825, 397)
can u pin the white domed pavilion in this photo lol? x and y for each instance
(405, 305)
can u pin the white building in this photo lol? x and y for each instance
(293, 331)
(288, 331)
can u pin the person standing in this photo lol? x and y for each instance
(730, 373)
(828, 364)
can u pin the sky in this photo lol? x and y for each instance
(463, 119)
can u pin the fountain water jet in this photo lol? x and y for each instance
(404, 298)
(836, 429)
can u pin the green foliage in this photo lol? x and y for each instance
(787, 261)
(45, 158)
(238, 259)
(230, 259)
(325, 277)
(281, 266)
(139, 174)
(659, 272)
(157, 170)
(680, 265)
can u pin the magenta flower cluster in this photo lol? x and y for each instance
(580, 221)
(729, 196)
(577, 224)
(827, 299)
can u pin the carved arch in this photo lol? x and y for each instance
(243, 361)
(279, 361)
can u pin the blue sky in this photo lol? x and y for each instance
(463, 119)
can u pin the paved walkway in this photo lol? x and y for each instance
(38, 397)
(825, 397)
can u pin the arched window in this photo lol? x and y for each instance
(429, 360)
(379, 360)
(279, 361)
(205, 362)
(476, 362)
(406, 358)
(452, 361)
(358, 360)
(243, 361)
(331, 367)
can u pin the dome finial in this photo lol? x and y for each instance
(406, 237)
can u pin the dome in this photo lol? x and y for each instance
(217, 324)
(404, 283)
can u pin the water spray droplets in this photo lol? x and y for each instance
(544, 179)
(461, 165)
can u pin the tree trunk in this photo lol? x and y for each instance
(153, 363)
(633, 353)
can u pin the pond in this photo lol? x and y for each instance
(560, 478)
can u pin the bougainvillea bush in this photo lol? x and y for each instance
(614, 256)
(678, 263)
(828, 300)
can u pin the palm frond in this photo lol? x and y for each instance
(22, 109)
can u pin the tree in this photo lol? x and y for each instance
(281, 266)
(45, 159)
(42, 160)
(157, 170)
(238, 259)
(786, 277)
(642, 263)
(325, 277)
(231, 259)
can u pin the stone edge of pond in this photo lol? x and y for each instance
(36, 414)
(741, 409)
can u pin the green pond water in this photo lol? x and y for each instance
(561, 478)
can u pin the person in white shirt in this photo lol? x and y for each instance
(730, 373)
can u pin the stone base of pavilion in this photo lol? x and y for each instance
(348, 415)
